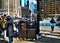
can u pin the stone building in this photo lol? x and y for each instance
(50, 7)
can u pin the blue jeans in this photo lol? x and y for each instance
(10, 39)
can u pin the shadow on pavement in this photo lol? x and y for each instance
(49, 40)
(3, 41)
(46, 40)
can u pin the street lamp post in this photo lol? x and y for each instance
(37, 30)
(38, 19)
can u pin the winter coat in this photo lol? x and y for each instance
(9, 28)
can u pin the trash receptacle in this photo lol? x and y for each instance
(31, 33)
(22, 30)
(31, 26)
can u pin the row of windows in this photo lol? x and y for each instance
(50, 9)
(50, 12)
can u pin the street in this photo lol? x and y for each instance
(42, 40)
(47, 29)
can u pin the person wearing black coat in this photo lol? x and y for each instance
(10, 29)
(52, 21)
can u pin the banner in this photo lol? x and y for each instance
(47, 24)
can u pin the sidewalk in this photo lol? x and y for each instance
(20, 41)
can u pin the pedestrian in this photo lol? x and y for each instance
(52, 21)
(10, 30)
(4, 21)
(4, 25)
(1, 30)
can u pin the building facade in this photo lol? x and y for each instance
(0, 4)
(11, 6)
(50, 7)
(16, 8)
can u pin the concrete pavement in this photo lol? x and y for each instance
(42, 40)
(20, 41)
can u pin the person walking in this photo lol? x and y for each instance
(10, 30)
(4, 24)
(1, 29)
(4, 21)
(52, 21)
